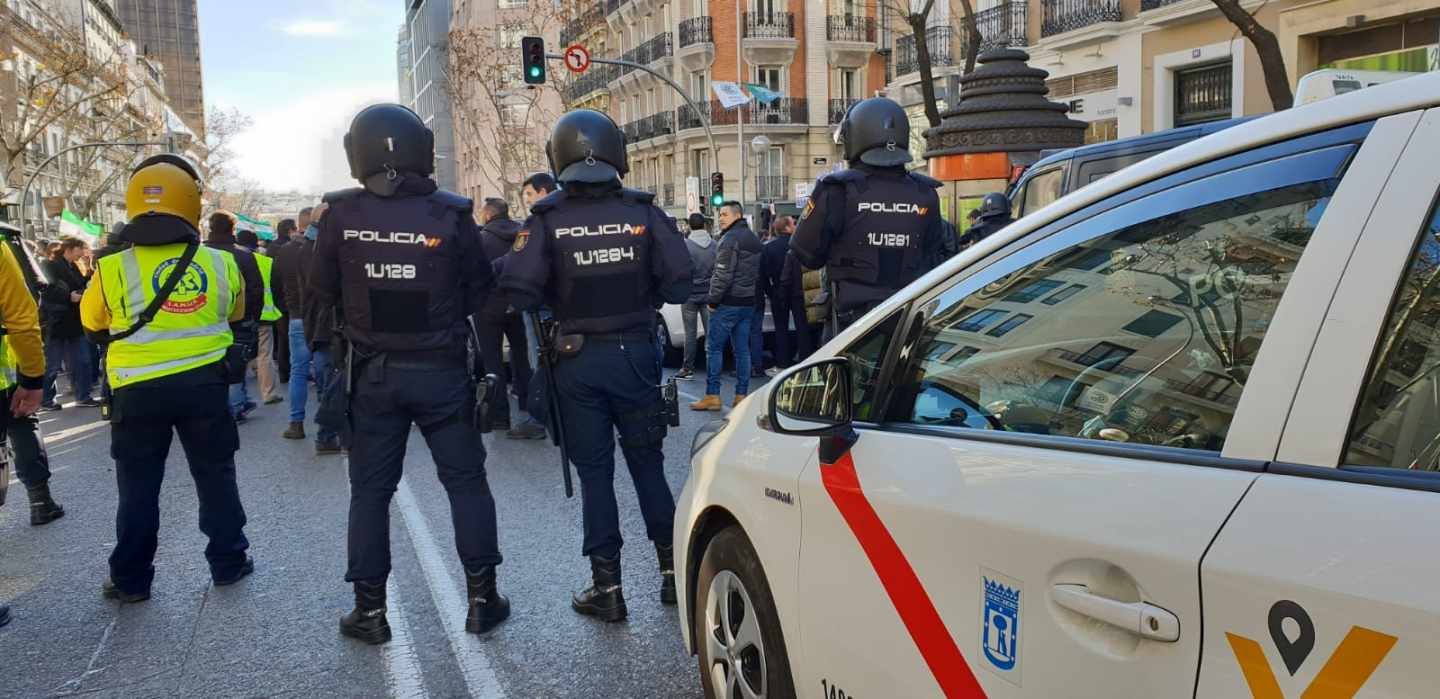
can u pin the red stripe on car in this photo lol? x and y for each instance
(901, 583)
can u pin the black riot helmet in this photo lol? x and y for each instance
(994, 205)
(387, 138)
(876, 132)
(587, 146)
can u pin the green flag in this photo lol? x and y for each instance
(262, 229)
(72, 224)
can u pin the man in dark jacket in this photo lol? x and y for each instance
(290, 296)
(702, 265)
(65, 342)
(319, 329)
(284, 231)
(499, 322)
(733, 289)
(772, 266)
(246, 330)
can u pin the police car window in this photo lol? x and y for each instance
(1042, 189)
(866, 356)
(1397, 421)
(1151, 340)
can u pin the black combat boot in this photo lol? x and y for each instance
(367, 622)
(666, 555)
(43, 510)
(603, 599)
(487, 606)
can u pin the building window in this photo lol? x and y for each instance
(1034, 290)
(1203, 94)
(770, 76)
(1063, 294)
(1105, 355)
(1153, 323)
(977, 321)
(1011, 323)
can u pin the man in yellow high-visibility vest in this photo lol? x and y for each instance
(265, 358)
(22, 359)
(170, 376)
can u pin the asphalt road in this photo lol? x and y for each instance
(275, 634)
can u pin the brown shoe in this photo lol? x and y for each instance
(739, 398)
(295, 431)
(709, 402)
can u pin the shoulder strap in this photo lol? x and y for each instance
(171, 282)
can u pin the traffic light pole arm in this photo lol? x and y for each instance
(25, 191)
(704, 118)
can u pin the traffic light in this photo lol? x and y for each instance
(532, 59)
(717, 189)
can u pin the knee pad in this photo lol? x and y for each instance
(642, 428)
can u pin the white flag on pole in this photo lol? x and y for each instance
(729, 94)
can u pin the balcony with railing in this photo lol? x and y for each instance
(697, 43)
(685, 118)
(838, 109)
(1098, 18)
(769, 38)
(662, 124)
(851, 40)
(659, 49)
(772, 187)
(596, 79)
(1001, 26)
(631, 129)
(940, 42)
(783, 111)
(591, 18)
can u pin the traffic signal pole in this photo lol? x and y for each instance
(704, 118)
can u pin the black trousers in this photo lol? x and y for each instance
(387, 400)
(784, 309)
(194, 405)
(492, 351)
(613, 387)
(32, 462)
(282, 347)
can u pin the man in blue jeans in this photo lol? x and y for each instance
(733, 290)
(291, 265)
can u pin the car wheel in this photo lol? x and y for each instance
(737, 630)
(672, 356)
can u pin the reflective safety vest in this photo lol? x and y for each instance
(191, 329)
(271, 312)
(7, 365)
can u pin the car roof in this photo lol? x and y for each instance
(1143, 142)
(1419, 92)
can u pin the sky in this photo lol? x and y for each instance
(300, 69)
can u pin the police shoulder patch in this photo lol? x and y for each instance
(521, 240)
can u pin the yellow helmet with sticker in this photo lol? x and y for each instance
(165, 185)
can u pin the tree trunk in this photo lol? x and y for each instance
(1272, 62)
(927, 73)
(973, 37)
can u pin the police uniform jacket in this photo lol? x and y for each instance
(984, 229)
(875, 228)
(602, 257)
(403, 271)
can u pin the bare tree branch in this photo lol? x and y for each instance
(1272, 61)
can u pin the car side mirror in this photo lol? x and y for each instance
(813, 401)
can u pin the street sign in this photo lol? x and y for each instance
(577, 59)
(692, 195)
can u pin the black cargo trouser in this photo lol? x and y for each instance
(613, 387)
(389, 397)
(195, 405)
(493, 333)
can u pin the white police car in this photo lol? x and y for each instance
(1176, 434)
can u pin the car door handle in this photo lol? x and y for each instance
(1139, 618)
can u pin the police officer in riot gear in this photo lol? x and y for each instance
(401, 263)
(994, 215)
(604, 258)
(875, 226)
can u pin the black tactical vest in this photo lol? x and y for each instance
(600, 248)
(399, 270)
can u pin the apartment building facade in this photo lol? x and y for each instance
(1135, 66)
(429, 32)
(169, 31)
(818, 57)
(501, 123)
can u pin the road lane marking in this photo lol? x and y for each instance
(403, 677)
(480, 679)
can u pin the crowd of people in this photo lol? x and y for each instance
(395, 328)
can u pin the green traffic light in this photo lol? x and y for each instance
(717, 200)
(534, 71)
